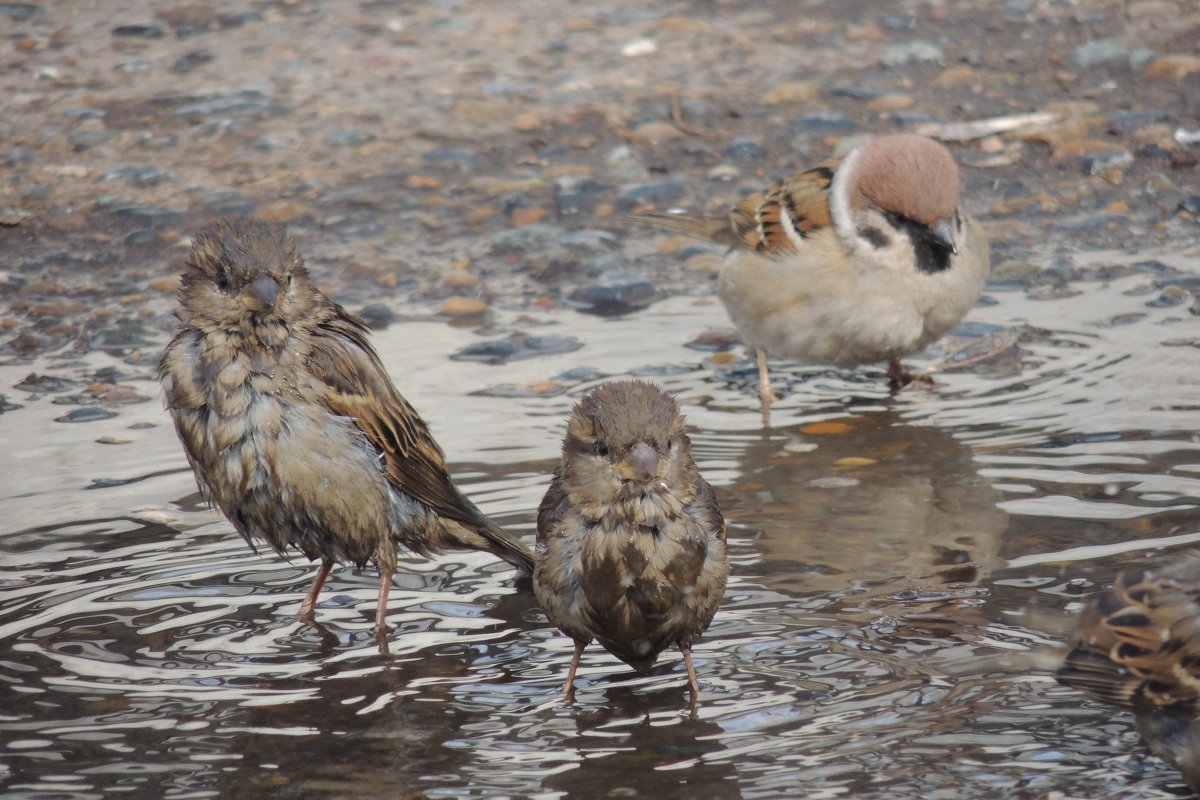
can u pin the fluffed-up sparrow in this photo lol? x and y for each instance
(291, 424)
(630, 542)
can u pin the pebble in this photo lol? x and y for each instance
(44, 384)
(148, 215)
(139, 175)
(462, 307)
(916, 51)
(377, 315)
(531, 238)
(228, 103)
(87, 414)
(613, 294)
(516, 347)
(834, 482)
(86, 140)
(134, 67)
(639, 47)
(20, 12)
(456, 156)
(655, 131)
(1172, 67)
(348, 137)
(1102, 51)
(543, 388)
(149, 31)
(715, 340)
(1171, 296)
(1190, 204)
(591, 241)
(790, 92)
(743, 148)
(191, 60)
(823, 120)
(662, 192)
(1101, 163)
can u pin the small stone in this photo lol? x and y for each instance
(20, 12)
(1103, 51)
(521, 217)
(86, 140)
(823, 120)
(515, 347)
(659, 193)
(639, 47)
(1172, 67)
(1190, 204)
(139, 175)
(190, 60)
(462, 307)
(148, 215)
(1101, 163)
(827, 428)
(282, 211)
(655, 131)
(917, 51)
(715, 340)
(527, 121)
(135, 67)
(348, 137)
(891, 102)
(1172, 295)
(149, 31)
(743, 148)
(87, 414)
(377, 315)
(613, 294)
(790, 92)
(838, 482)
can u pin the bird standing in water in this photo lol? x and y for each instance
(291, 424)
(1138, 646)
(863, 259)
(630, 542)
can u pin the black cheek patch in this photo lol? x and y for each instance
(875, 237)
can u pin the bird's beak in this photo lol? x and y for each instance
(261, 294)
(943, 234)
(639, 464)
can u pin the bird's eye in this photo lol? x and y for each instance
(602, 449)
(670, 445)
(222, 280)
(289, 279)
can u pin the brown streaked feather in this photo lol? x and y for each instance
(760, 221)
(1138, 645)
(359, 388)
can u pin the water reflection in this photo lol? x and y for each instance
(875, 578)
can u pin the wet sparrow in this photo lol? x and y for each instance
(292, 425)
(1138, 646)
(630, 542)
(851, 262)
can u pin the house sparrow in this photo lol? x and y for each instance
(630, 541)
(291, 424)
(1138, 646)
(851, 262)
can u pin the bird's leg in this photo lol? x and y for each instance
(693, 684)
(310, 601)
(385, 587)
(569, 686)
(765, 395)
(899, 377)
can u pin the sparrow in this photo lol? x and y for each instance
(291, 424)
(630, 540)
(858, 260)
(1138, 646)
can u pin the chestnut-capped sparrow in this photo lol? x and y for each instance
(291, 424)
(630, 541)
(1138, 646)
(865, 259)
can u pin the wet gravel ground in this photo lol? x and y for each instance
(453, 157)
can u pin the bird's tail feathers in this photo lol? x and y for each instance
(483, 534)
(713, 229)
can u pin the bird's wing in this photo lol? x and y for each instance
(357, 386)
(553, 509)
(1139, 644)
(772, 222)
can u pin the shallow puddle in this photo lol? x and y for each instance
(898, 566)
